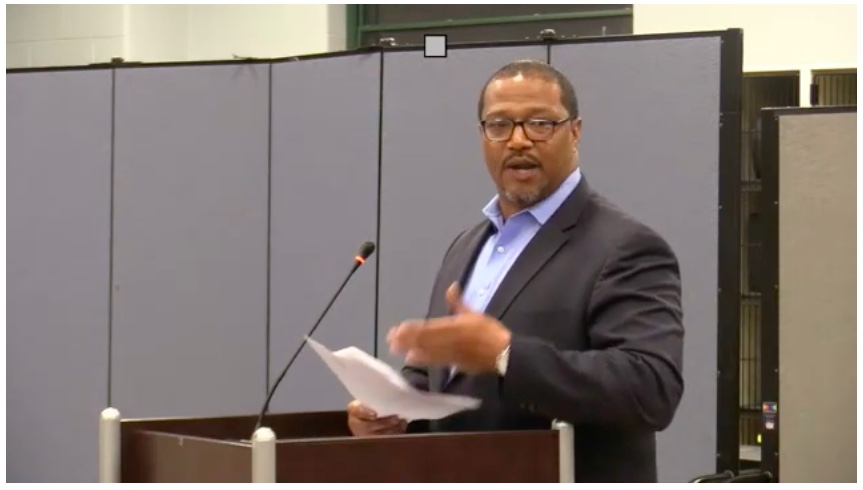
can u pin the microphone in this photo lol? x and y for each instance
(366, 250)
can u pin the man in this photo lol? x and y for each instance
(557, 306)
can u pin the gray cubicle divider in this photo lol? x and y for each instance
(650, 142)
(58, 183)
(434, 181)
(809, 315)
(190, 240)
(324, 205)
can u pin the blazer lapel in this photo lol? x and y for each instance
(465, 255)
(550, 238)
(544, 245)
(457, 269)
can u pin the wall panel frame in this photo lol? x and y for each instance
(809, 347)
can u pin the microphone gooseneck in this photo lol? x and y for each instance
(366, 250)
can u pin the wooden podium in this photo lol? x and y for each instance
(317, 447)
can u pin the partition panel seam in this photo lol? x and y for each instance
(113, 107)
(378, 218)
(268, 272)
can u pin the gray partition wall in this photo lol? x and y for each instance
(324, 205)
(190, 240)
(59, 200)
(209, 211)
(809, 347)
(651, 143)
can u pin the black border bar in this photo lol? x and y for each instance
(728, 273)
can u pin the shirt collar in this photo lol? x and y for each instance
(540, 211)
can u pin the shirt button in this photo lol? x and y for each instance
(500, 249)
(482, 292)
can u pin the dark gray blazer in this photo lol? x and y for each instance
(594, 305)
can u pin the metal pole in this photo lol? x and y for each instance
(264, 456)
(566, 451)
(109, 446)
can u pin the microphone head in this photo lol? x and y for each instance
(366, 250)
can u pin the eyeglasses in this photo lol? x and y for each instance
(534, 129)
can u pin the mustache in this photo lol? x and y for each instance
(520, 159)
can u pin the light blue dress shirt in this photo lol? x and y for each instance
(506, 243)
(508, 240)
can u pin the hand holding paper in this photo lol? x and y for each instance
(384, 390)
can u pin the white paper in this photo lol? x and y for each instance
(384, 390)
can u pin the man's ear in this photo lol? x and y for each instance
(576, 131)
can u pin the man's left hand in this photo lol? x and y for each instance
(468, 340)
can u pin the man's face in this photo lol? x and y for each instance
(527, 171)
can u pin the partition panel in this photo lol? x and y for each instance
(434, 180)
(650, 142)
(809, 360)
(58, 169)
(324, 205)
(190, 240)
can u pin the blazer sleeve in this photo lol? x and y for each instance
(631, 376)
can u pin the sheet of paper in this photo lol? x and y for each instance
(384, 390)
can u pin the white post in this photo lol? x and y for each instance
(566, 451)
(805, 87)
(109, 446)
(264, 456)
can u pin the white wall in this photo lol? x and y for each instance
(52, 35)
(156, 33)
(263, 31)
(775, 37)
(58, 35)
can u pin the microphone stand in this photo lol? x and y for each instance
(263, 438)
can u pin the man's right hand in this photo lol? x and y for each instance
(363, 421)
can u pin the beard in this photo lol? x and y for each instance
(522, 192)
(523, 199)
(526, 198)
